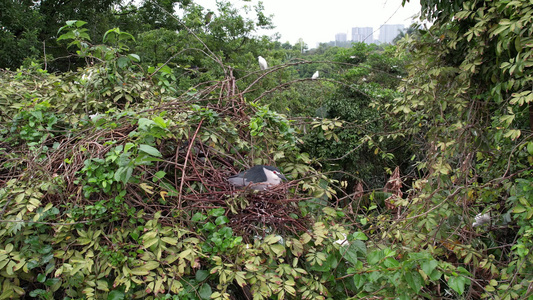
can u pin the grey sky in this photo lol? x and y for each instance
(319, 21)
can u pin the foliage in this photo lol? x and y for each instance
(19, 35)
(157, 259)
(112, 177)
(358, 147)
(467, 105)
(29, 28)
(94, 208)
(117, 210)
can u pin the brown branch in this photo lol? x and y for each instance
(191, 143)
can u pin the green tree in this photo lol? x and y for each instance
(28, 29)
(366, 78)
(466, 110)
(20, 28)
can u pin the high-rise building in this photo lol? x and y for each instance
(340, 37)
(387, 33)
(363, 34)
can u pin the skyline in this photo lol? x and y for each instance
(318, 23)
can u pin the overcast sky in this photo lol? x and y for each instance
(318, 21)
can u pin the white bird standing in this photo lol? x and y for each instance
(481, 219)
(262, 63)
(315, 76)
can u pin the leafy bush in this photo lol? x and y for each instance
(113, 178)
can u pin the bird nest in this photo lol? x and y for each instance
(204, 186)
(253, 213)
(268, 211)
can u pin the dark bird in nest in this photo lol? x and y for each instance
(258, 178)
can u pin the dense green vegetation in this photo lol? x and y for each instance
(120, 123)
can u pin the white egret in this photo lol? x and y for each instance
(481, 219)
(315, 76)
(262, 63)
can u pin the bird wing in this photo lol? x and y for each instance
(238, 180)
(254, 175)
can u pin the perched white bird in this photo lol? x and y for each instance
(262, 63)
(481, 219)
(315, 76)
(85, 77)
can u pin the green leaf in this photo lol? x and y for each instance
(278, 249)
(359, 236)
(390, 262)
(435, 275)
(208, 226)
(116, 295)
(170, 240)
(150, 150)
(123, 62)
(507, 119)
(373, 276)
(144, 122)
(201, 275)
(9, 247)
(359, 246)
(216, 212)
(530, 148)
(359, 280)
(429, 266)
(414, 280)
(329, 211)
(329, 264)
(79, 23)
(375, 256)
(513, 134)
(123, 174)
(205, 291)
(139, 271)
(350, 254)
(147, 243)
(134, 57)
(159, 175)
(150, 265)
(34, 293)
(198, 217)
(458, 284)
(272, 239)
(161, 122)
(221, 220)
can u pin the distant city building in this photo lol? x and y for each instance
(340, 37)
(363, 34)
(387, 33)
